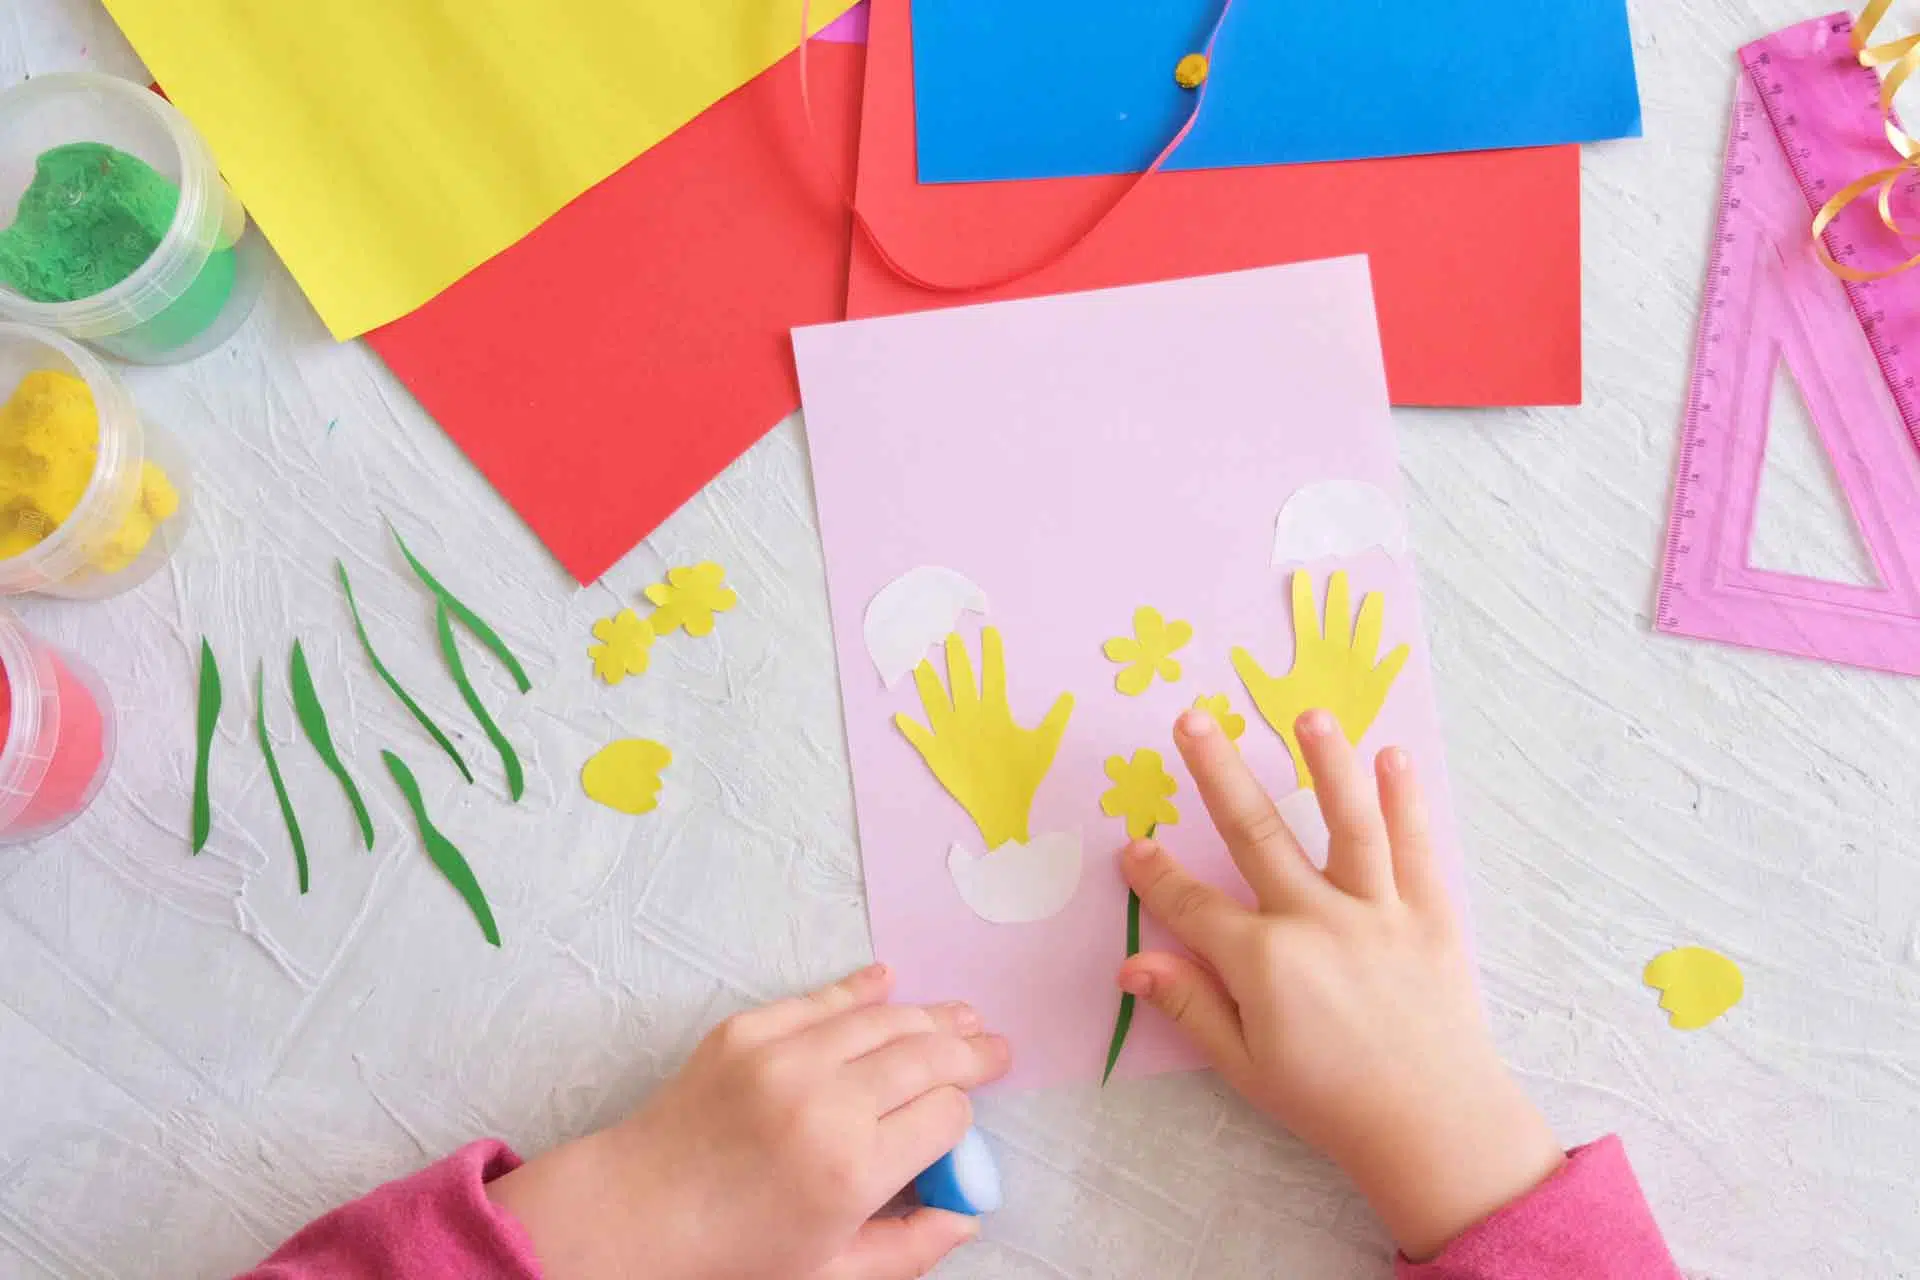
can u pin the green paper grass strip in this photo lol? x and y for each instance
(209, 718)
(452, 864)
(386, 677)
(485, 634)
(313, 719)
(443, 622)
(1124, 1022)
(273, 772)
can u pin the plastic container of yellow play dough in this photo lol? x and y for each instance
(56, 735)
(203, 275)
(75, 520)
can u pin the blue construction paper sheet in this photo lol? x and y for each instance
(1017, 89)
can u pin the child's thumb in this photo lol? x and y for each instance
(1196, 1002)
(902, 1248)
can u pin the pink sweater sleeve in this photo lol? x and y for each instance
(436, 1225)
(1587, 1222)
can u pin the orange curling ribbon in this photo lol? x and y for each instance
(1043, 260)
(1902, 56)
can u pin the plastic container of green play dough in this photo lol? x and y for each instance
(88, 164)
(115, 537)
(56, 735)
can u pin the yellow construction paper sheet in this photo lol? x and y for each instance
(388, 147)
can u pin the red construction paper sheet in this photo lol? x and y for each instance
(1476, 257)
(605, 368)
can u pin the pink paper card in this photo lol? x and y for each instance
(1047, 469)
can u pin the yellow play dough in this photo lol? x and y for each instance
(49, 442)
(625, 775)
(1696, 985)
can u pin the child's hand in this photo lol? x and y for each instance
(771, 1150)
(1343, 1006)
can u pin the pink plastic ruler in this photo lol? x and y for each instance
(1806, 122)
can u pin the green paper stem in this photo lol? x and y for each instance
(313, 719)
(209, 718)
(273, 772)
(516, 782)
(485, 634)
(452, 864)
(1124, 1023)
(380, 669)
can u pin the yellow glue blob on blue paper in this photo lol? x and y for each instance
(1696, 985)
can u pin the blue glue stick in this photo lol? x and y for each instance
(965, 1180)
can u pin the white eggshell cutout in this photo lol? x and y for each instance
(913, 613)
(1019, 883)
(1338, 518)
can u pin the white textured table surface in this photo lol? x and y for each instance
(194, 1061)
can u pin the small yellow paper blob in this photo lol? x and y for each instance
(625, 775)
(689, 598)
(1696, 985)
(1191, 71)
(626, 643)
(1148, 652)
(1231, 722)
(1334, 667)
(978, 751)
(1140, 793)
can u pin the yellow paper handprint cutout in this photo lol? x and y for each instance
(1334, 667)
(986, 761)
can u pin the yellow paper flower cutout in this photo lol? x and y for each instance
(1140, 793)
(626, 641)
(1149, 652)
(689, 598)
(975, 747)
(1217, 706)
(1334, 667)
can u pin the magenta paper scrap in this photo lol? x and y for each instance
(1074, 458)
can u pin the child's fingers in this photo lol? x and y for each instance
(896, 1074)
(1405, 810)
(1205, 920)
(1198, 1004)
(901, 1248)
(858, 1032)
(1359, 857)
(1262, 847)
(783, 1018)
(911, 1138)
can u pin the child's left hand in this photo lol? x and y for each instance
(772, 1149)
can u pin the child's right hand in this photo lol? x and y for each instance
(1343, 1005)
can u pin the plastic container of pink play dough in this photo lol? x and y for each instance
(56, 735)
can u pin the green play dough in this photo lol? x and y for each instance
(91, 217)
